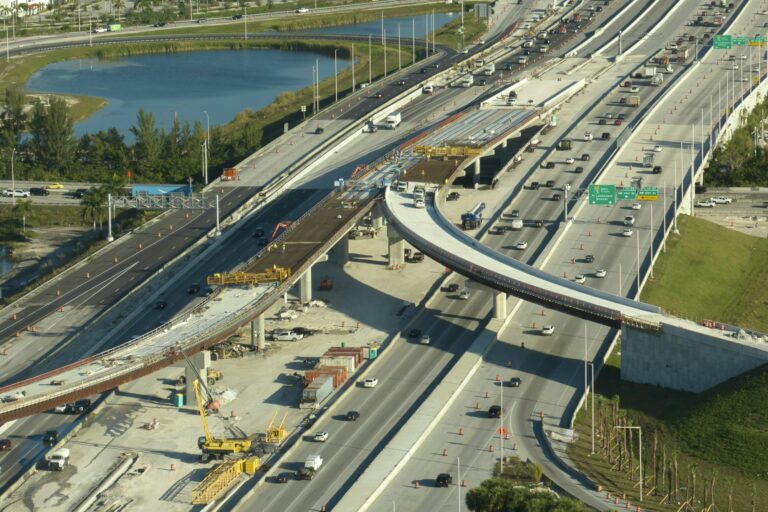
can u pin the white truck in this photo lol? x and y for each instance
(58, 459)
(649, 71)
(311, 467)
(467, 81)
(517, 224)
(657, 79)
(489, 69)
(393, 120)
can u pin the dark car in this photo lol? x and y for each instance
(159, 24)
(353, 416)
(622, 116)
(589, 258)
(535, 185)
(81, 406)
(283, 478)
(602, 122)
(515, 214)
(51, 437)
(161, 304)
(494, 411)
(451, 288)
(538, 223)
(202, 20)
(550, 165)
(80, 193)
(556, 196)
(237, 17)
(304, 331)
(617, 122)
(417, 257)
(416, 333)
(515, 382)
(193, 289)
(550, 183)
(585, 157)
(656, 169)
(605, 136)
(258, 233)
(207, 291)
(5, 445)
(401, 82)
(444, 480)
(319, 130)
(453, 196)
(378, 95)
(424, 71)
(39, 192)
(578, 170)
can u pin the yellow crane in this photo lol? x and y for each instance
(211, 446)
(270, 275)
(276, 434)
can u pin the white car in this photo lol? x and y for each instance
(99, 30)
(302, 10)
(569, 160)
(657, 148)
(321, 437)
(634, 89)
(672, 46)
(588, 136)
(636, 206)
(735, 66)
(600, 273)
(548, 330)
(721, 200)
(425, 339)
(705, 204)
(419, 203)
(580, 279)
(370, 382)
(629, 220)
(286, 335)
(464, 294)
(627, 232)
(521, 245)
(609, 116)
(566, 187)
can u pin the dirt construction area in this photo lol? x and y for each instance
(139, 438)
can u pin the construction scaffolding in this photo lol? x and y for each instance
(448, 151)
(270, 275)
(217, 480)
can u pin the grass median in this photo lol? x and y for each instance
(703, 451)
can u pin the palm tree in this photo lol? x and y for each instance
(93, 206)
(118, 4)
(23, 210)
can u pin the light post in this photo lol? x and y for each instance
(13, 179)
(207, 128)
(501, 429)
(637, 240)
(336, 73)
(399, 63)
(110, 238)
(90, 31)
(204, 150)
(353, 67)
(641, 455)
(370, 74)
(7, 47)
(458, 478)
(592, 393)
(586, 362)
(651, 235)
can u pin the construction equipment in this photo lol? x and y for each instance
(276, 434)
(326, 284)
(213, 447)
(226, 350)
(221, 477)
(250, 278)
(448, 151)
(282, 224)
(212, 376)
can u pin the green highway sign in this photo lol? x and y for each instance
(604, 195)
(722, 42)
(756, 41)
(739, 41)
(648, 194)
(626, 193)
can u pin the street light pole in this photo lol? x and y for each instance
(458, 478)
(109, 218)
(639, 429)
(637, 240)
(501, 428)
(353, 67)
(13, 179)
(592, 393)
(620, 295)
(336, 73)
(651, 262)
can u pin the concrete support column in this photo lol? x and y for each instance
(341, 251)
(476, 173)
(396, 247)
(201, 362)
(377, 217)
(259, 333)
(305, 285)
(504, 143)
(499, 305)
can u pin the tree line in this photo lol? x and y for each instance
(41, 144)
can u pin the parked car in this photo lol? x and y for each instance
(286, 335)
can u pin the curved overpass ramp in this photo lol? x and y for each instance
(427, 229)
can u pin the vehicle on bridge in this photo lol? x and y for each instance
(473, 218)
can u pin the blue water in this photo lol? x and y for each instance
(412, 26)
(183, 84)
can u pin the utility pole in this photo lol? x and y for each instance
(399, 64)
(353, 67)
(336, 73)
(109, 218)
(370, 74)
(385, 53)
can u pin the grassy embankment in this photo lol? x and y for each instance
(720, 435)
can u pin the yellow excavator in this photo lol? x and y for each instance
(212, 447)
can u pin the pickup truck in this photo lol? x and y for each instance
(722, 200)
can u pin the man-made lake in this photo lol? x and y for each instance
(222, 83)
(184, 84)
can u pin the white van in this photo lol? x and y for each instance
(522, 60)
(401, 186)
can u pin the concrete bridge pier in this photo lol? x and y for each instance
(476, 174)
(258, 333)
(396, 247)
(201, 362)
(377, 217)
(504, 143)
(305, 286)
(499, 305)
(341, 251)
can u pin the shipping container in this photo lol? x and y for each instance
(339, 374)
(316, 392)
(358, 352)
(346, 361)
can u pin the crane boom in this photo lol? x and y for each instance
(201, 409)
